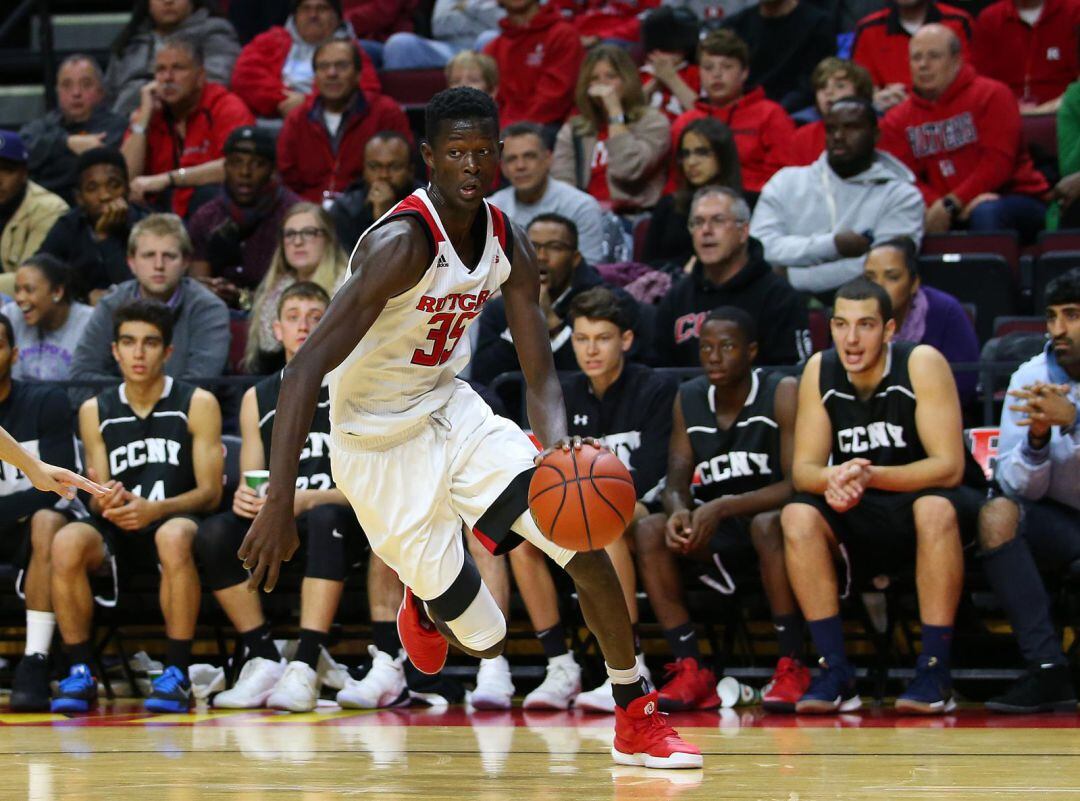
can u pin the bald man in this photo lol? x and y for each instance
(960, 134)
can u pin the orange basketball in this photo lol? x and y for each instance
(582, 499)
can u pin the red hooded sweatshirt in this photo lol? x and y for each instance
(606, 19)
(308, 161)
(966, 142)
(538, 68)
(256, 76)
(806, 145)
(1041, 58)
(761, 129)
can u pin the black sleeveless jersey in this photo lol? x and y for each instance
(880, 428)
(151, 455)
(742, 458)
(314, 470)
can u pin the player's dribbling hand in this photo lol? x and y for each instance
(677, 531)
(565, 444)
(271, 540)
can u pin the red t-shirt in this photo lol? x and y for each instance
(661, 97)
(598, 185)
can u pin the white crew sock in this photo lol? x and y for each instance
(39, 631)
(628, 676)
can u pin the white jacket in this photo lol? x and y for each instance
(801, 209)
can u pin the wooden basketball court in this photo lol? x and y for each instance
(119, 753)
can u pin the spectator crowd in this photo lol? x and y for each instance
(697, 182)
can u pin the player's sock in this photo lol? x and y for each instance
(307, 651)
(178, 654)
(80, 653)
(1016, 581)
(937, 643)
(828, 637)
(683, 641)
(259, 642)
(386, 637)
(553, 641)
(626, 685)
(789, 635)
(39, 631)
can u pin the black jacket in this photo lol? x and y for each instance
(778, 310)
(95, 264)
(633, 418)
(352, 214)
(495, 353)
(52, 163)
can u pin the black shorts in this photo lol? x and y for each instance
(126, 553)
(1052, 531)
(15, 544)
(733, 556)
(878, 534)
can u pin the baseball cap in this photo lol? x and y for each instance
(12, 147)
(255, 140)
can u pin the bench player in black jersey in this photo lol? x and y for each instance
(39, 426)
(322, 513)
(416, 451)
(626, 406)
(879, 461)
(728, 475)
(155, 443)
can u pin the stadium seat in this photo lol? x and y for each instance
(230, 445)
(819, 330)
(1008, 349)
(238, 337)
(1040, 130)
(1048, 267)
(983, 444)
(641, 232)
(980, 278)
(1003, 243)
(1004, 326)
(412, 88)
(1053, 241)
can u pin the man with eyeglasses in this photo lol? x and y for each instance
(729, 269)
(321, 147)
(564, 274)
(234, 236)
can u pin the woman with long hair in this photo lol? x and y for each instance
(705, 155)
(308, 250)
(131, 63)
(614, 148)
(46, 321)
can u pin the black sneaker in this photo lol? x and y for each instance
(30, 690)
(1044, 688)
(435, 691)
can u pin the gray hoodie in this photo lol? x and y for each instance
(802, 208)
(459, 22)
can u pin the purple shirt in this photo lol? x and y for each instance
(948, 328)
(255, 251)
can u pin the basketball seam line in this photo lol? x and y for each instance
(600, 495)
(581, 498)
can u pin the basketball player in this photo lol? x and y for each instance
(44, 476)
(156, 444)
(879, 459)
(39, 419)
(322, 513)
(732, 429)
(626, 407)
(416, 451)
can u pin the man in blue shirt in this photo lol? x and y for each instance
(1039, 470)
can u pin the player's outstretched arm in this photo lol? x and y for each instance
(45, 477)
(940, 425)
(813, 433)
(528, 328)
(388, 262)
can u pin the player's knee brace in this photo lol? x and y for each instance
(216, 543)
(327, 527)
(469, 610)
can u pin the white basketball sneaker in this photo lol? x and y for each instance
(602, 699)
(298, 689)
(494, 685)
(561, 684)
(383, 686)
(257, 680)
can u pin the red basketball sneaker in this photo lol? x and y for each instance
(690, 686)
(643, 737)
(426, 647)
(789, 683)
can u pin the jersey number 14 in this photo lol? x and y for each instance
(446, 330)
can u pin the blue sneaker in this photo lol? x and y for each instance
(77, 693)
(930, 692)
(832, 690)
(171, 693)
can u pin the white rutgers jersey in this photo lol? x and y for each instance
(405, 366)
